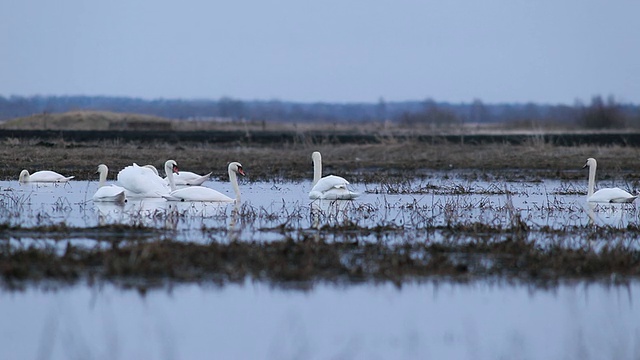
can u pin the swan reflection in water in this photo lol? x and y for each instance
(133, 212)
(617, 215)
(330, 212)
(156, 212)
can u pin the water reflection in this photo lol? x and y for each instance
(613, 215)
(443, 320)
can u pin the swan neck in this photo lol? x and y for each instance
(103, 179)
(168, 169)
(592, 180)
(24, 176)
(317, 171)
(233, 178)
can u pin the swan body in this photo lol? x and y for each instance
(330, 187)
(187, 178)
(43, 176)
(606, 195)
(202, 193)
(108, 193)
(142, 182)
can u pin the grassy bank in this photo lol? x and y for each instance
(360, 162)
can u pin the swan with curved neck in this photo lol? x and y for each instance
(202, 193)
(142, 182)
(607, 195)
(43, 176)
(108, 193)
(330, 187)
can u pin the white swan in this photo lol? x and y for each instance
(188, 178)
(108, 193)
(43, 176)
(608, 195)
(202, 193)
(142, 182)
(330, 187)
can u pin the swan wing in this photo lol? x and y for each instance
(334, 194)
(198, 193)
(332, 188)
(141, 181)
(188, 178)
(612, 195)
(330, 182)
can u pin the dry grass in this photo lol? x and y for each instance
(367, 162)
(83, 120)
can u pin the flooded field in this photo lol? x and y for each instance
(445, 266)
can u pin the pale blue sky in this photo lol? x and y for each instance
(334, 50)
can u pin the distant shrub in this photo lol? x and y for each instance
(432, 115)
(602, 115)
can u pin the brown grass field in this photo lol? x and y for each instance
(361, 162)
(395, 155)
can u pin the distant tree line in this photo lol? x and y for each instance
(600, 113)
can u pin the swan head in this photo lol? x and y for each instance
(171, 166)
(236, 167)
(591, 162)
(24, 176)
(316, 156)
(102, 169)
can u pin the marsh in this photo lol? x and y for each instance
(468, 234)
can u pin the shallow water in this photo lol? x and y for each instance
(268, 208)
(483, 319)
(440, 320)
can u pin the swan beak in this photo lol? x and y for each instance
(240, 171)
(175, 169)
(585, 165)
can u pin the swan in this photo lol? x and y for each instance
(188, 178)
(330, 187)
(608, 195)
(108, 193)
(202, 193)
(43, 176)
(142, 182)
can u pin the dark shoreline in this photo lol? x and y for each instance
(319, 137)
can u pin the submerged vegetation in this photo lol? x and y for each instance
(308, 259)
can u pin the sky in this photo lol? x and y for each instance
(497, 51)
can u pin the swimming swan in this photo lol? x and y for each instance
(43, 176)
(108, 193)
(607, 195)
(142, 182)
(202, 193)
(330, 187)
